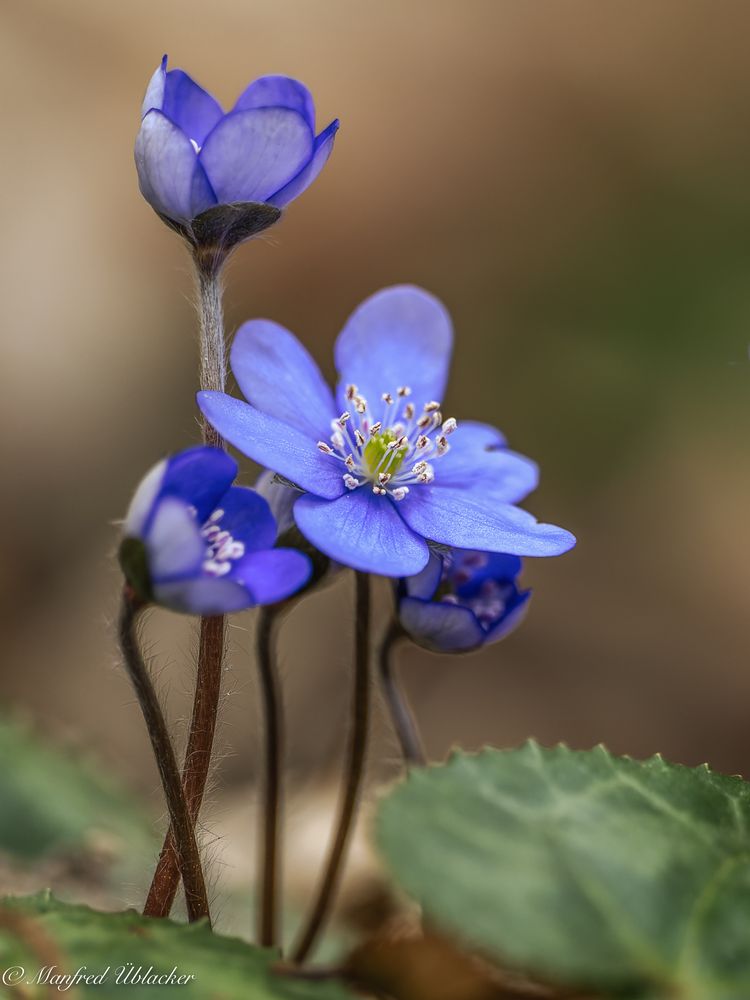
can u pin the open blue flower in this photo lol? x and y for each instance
(462, 600)
(191, 156)
(381, 468)
(193, 542)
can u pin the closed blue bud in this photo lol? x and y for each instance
(193, 157)
(195, 543)
(462, 600)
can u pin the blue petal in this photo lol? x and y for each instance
(277, 375)
(495, 566)
(303, 180)
(470, 520)
(189, 106)
(273, 575)
(248, 518)
(363, 531)
(278, 92)
(203, 595)
(154, 96)
(251, 154)
(424, 584)
(511, 619)
(280, 499)
(173, 542)
(478, 456)
(443, 628)
(273, 444)
(199, 476)
(170, 175)
(401, 336)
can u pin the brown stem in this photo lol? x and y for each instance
(268, 929)
(189, 861)
(353, 777)
(213, 629)
(402, 717)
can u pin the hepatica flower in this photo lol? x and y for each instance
(193, 542)
(381, 468)
(192, 156)
(462, 600)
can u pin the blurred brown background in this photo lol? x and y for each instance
(572, 178)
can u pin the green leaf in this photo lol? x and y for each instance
(51, 801)
(583, 869)
(39, 932)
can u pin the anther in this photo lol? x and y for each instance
(400, 492)
(424, 422)
(419, 468)
(403, 390)
(325, 448)
(442, 445)
(409, 411)
(431, 407)
(337, 440)
(422, 442)
(387, 398)
(449, 426)
(376, 427)
(427, 476)
(379, 491)
(345, 416)
(351, 391)
(359, 437)
(360, 404)
(384, 477)
(349, 461)
(350, 482)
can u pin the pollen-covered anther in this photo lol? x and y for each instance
(400, 492)
(384, 478)
(360, 404)
(431, 407)
(349, 461)
(424, 422)
(419, 468)
(343, 418)
(403, 390)
(387, 398)
(351, 391)
(437, 418)
(379, 491)
(359, 437)
(449, 425)
(375, 429)
(422, 442)
(337, 440)
(350, 482)
(409, 411)
(442, 445)
(427, 476)
(325, 448)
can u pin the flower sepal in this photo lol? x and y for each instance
(214, 233)
(133, 558)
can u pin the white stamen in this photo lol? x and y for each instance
(384, 477)
(376, 427)
(195, 145)
(419, 468)
(379, 491)
(424, 422)
(422, 442)
(409, 411)
(442, 446)
(325, 448)
(349, 461)
(344, 417)
(387, 398)
(400, 492)
(217, 515)
(337, 440)
(449, 426)
(350, 482)
(359, 437)
(403, 390)
(431, 407)
(351, 391)
(360, 404)
(428, 475)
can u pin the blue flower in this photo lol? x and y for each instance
(462, 600)
(381, 468)
(193, 542)
(191, 156)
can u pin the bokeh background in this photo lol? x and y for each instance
(573, 180)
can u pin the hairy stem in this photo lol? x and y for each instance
(200, 741)
(189, 862)
(353, 777)
(402, 717)
(268, 923)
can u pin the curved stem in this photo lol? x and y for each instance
(402, 717)
(179, 814)
(268, 929)
(353, 778)
(213, 629)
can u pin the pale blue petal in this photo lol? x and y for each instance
(279, 377)
(174, 543)
(469, 520)
(142, 504)
(401, 336)
(280, 499)
(363, 531)
(424, 584)
(203, 595)
(273, 575)
(322, 150)
(478, 458)
(273, 444)
(251, 154)
(169, 173)
(443, 628)
(154, 97)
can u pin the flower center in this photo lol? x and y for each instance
(222, 550)
(393, 448)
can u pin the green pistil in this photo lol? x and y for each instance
(375, 451)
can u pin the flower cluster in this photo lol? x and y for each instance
(193, 542)
(462, 600)
(191, 156)
(380, 470)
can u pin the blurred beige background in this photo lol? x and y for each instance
(572, 178)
